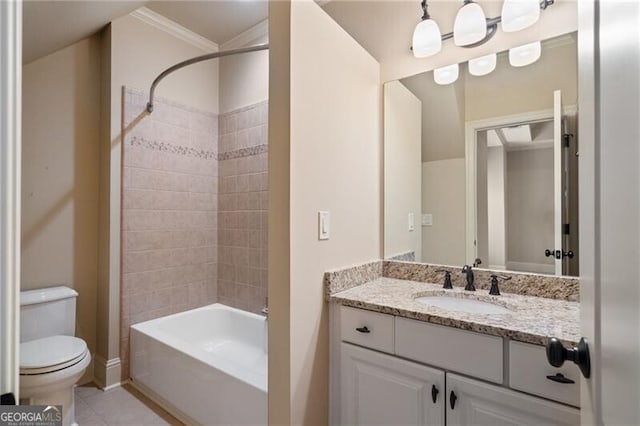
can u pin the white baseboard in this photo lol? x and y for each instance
(107, 372)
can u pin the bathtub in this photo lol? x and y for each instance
(205, 366)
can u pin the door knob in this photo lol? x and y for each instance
(557, 354)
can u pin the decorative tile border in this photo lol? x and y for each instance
(171, 148)
(336, 281)
(243, 152)
(194, 152)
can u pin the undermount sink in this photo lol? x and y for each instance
(459, 304)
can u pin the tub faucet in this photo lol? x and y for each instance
(468, 270)
(265, 309)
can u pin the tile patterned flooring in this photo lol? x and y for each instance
(120, 406)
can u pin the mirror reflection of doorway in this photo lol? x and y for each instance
(516, 197)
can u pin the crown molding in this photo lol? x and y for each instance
(162, 23)
(246, 38)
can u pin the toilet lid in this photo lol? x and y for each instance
(51, 352)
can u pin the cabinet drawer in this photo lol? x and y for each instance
(528, 371)
(366, 328)
(457, 350)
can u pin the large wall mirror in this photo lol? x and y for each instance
(484, 170)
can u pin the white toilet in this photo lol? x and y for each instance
(52, 360)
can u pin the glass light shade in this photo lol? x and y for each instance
(470, 25)
(482, 65)
(446, 75)
(519, 14)
(525, 55)
(427, 39)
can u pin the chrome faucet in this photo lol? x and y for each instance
(265, 309)
(468, 270)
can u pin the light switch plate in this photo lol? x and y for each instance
(411, 222)
(427, 219)
(324, 225)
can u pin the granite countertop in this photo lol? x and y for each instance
(530, 319)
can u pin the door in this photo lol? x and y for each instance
(10, 122)
(559, 183)
(379, 389)
(470, 402)
(609, 130)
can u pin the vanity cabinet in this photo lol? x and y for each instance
(392, 370)
(379, 389)
(471, 402)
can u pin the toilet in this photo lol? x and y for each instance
(52, 359)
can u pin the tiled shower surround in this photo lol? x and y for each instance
(242, 208)
(194, 204)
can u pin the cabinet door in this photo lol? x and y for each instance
(470, 402)
(379, 389)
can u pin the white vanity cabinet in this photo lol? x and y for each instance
(471, 402)
(379, 389)
(388, 370)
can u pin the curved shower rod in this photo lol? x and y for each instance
(195, 60)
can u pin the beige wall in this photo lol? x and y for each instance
(508, 90)
(244, 79)
(335, 164)
(60, 161)
(402, 147)
(443, 242)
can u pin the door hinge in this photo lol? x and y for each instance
(565, 229)
(566, 138)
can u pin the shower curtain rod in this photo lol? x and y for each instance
(195, 60)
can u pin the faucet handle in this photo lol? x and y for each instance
(495, 290)
(447, 278)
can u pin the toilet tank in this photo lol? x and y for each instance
(47, 312)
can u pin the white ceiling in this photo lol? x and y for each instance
(50, 25)
(218, 21)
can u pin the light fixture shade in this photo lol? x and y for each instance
(519, 14)
(524, 55)
(482, 65)
(427, 39)
(446, 75)
(470, 25)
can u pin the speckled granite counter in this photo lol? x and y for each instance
(530, 319)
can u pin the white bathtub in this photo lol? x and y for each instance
(206, 366)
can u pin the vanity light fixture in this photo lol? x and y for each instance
(427, 39)
(470, 25)
(525, 55)
(483, 65)
(519, 14)
(446, 75)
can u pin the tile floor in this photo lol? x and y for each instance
(120, 406)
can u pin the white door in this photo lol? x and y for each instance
(10, 122)
(558, 186)
(609, 132)
(470, 402)
(379, 389)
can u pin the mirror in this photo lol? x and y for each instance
(485, 170)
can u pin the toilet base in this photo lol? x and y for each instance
(55, 388)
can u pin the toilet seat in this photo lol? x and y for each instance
(51, 354)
